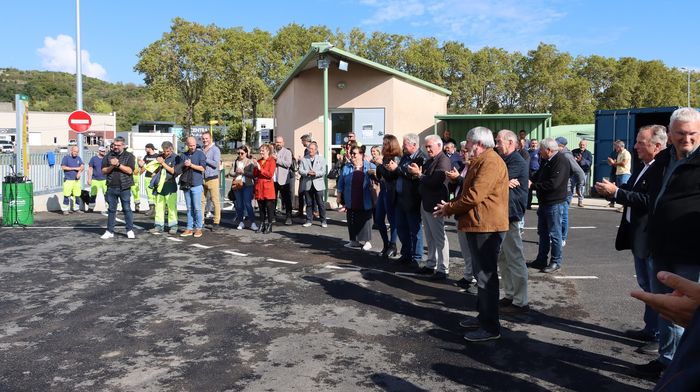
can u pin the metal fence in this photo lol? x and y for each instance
(49, 179)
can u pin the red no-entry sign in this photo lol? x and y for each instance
(79, 121)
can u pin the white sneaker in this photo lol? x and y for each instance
(324, 225)
(130, 234)
(307, 224)
(367, 246)
(563, 243)
(253, 226)
(241, 226)
(107, 235)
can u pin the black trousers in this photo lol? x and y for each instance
(267, 210)
(284, 193)
(484, 248)
(314, 198)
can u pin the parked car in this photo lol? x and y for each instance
(6, 146)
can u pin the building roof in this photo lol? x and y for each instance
(320, 48)
(493, 116)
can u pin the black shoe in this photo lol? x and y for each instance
(552, 267)
(288, 221)
(651, 370)
(639, 334)
(385, 250)
(261, 228)
(514, 309)
(268, 228)
(425, 270)
(536, 265)
(470, 323)
(215, 228)
(463, 283)
(505, 302)
(651, 348)
(392, 253)
(438, 276)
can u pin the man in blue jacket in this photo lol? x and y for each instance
(511, 260)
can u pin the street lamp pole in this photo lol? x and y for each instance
(687, 69)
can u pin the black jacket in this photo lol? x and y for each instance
(517, 197)
(408, 198)
(388, 178)
(636, 198)
(117, 178)
(675, 214)
(433, 182)
(552, 179)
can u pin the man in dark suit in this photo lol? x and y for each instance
(434, 189)
(632, 232)
(408, 219)
(550, 183)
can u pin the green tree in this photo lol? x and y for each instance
(184, 60)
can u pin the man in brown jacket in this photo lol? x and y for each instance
(481, 210)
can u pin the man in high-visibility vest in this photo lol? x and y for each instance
(165, 189)
(72, 166)
(96, 180)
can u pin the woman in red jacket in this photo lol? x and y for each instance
(265, 187)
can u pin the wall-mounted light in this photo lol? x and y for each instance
(343, 65)
(341, 85)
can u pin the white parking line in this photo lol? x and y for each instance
(281, 261)
(200, 246)
(575, 277)
(174, 239)
(63, 227)
(341, 267)
(135, 225)
(235, 253)
(570, 227)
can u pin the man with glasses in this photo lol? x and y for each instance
(119, 166)
(282, 180)
(210, 185)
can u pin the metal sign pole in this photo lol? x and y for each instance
(79, 82)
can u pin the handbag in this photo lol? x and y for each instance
(334, 173)
(237, 184)
(231, 194)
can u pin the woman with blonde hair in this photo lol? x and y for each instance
(243, 184)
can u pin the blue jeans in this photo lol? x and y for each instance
(565, 216)
(645, 274)
(193, 201)
(410, 232)
(670, 333)
(384, 210)
(549, 230)
(244, 203)
(484, 248)
(622, 179)
(124, 195)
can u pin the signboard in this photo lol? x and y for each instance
(79, 121)
(22, 134)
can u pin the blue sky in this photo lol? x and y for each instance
(39, 34)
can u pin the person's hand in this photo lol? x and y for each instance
(239, 170)
(578, 157)
(160, 159)
(188, 162)
(89, 181)
(392, 165)
(611, 161)
(529, 184)
(605, 188)
(678, 306)
(514, 183)
(439, 210)
(371, 172)
(312, 173)
(141, 162)
(452, 174)
(114, 161)
(413, 169)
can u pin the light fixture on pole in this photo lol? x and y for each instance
(323, 62)
(211, 128)
(687, 69)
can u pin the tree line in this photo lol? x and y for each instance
(195, 73)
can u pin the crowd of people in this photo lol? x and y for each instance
(407, 192)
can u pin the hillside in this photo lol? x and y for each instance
(55, 92)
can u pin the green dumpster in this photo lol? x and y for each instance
(17, 203)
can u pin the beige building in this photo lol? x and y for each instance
(49, 130)
(367, 98)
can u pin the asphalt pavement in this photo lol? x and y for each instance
(297, 311)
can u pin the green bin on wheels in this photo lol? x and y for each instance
(17, 203)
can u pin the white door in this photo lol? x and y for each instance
(369, 126)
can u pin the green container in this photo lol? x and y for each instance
(17, 203)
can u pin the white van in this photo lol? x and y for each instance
(6, 146)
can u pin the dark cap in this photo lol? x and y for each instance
(151, 146)
(561, 140)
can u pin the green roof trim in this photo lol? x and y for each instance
(492, 116)
(326, 48)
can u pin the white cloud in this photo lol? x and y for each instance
(58, 54)
(513, 24)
